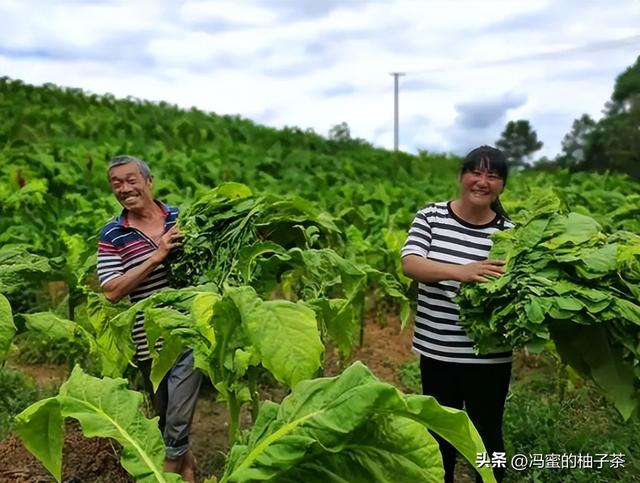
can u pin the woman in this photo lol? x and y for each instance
(448, 243)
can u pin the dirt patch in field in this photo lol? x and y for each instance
(46, 375)
(209, 436)
(84, 460)
(384, 350)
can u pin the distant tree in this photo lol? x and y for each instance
(614, 143)
(518, 141)
(340, 132)
(546, 164)
(574, 144)
(626, 91)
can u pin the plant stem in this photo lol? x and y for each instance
(362, 321)
(252, 375)
(72, 303)
(562, 381)
(233, 405)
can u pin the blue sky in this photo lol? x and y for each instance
(470, 65)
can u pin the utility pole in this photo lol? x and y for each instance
(396, 134)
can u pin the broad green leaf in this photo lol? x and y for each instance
(627, 309)
(598, 262)
(341, 324)
(104, 408)
(117, 332)
(159, 323)
(351, 428)
(390, 287)
(532, 233)
(18, 265)
(386, 449)
(284, 333)
(114, 345)
(202, 314)
(605, 365)
(180, 331)
(534, 311)
(41, 428)
(575, 229)
(248, 255)
(51, 326)
(233, 190)
(7, 327)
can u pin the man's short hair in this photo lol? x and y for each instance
(126, 159)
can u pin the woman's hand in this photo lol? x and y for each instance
(479, 271)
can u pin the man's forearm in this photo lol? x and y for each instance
(123, 285)
(424, 270)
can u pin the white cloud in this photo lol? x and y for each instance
(315, 64)
(200, 12)
(77, 25)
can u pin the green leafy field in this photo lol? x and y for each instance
(288, 237)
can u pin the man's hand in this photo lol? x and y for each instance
(479, 271)
(171, 239)
(123, 285)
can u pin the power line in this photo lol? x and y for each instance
(551, 55)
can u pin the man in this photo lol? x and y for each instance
(131, 262)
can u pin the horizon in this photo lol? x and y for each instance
(470, 68)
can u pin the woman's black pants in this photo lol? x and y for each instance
(481, 389)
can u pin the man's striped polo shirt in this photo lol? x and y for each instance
(123, 247)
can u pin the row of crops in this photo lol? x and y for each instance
(289, 239)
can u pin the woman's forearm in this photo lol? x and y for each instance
(424, 270)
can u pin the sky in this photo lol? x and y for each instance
(470, 66)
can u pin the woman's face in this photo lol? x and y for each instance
(480, 187)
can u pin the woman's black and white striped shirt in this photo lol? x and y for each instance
(438, 234)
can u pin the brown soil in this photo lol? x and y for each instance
(46, 375)
(84, 460)
(209, 437)
(384, 350)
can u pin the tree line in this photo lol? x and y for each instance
(609, 144)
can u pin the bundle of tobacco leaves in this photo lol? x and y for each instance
(568, 282)
(283, 246)
(229, 219)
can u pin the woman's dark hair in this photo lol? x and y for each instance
(490, 159)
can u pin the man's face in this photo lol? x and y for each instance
(130, 187)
